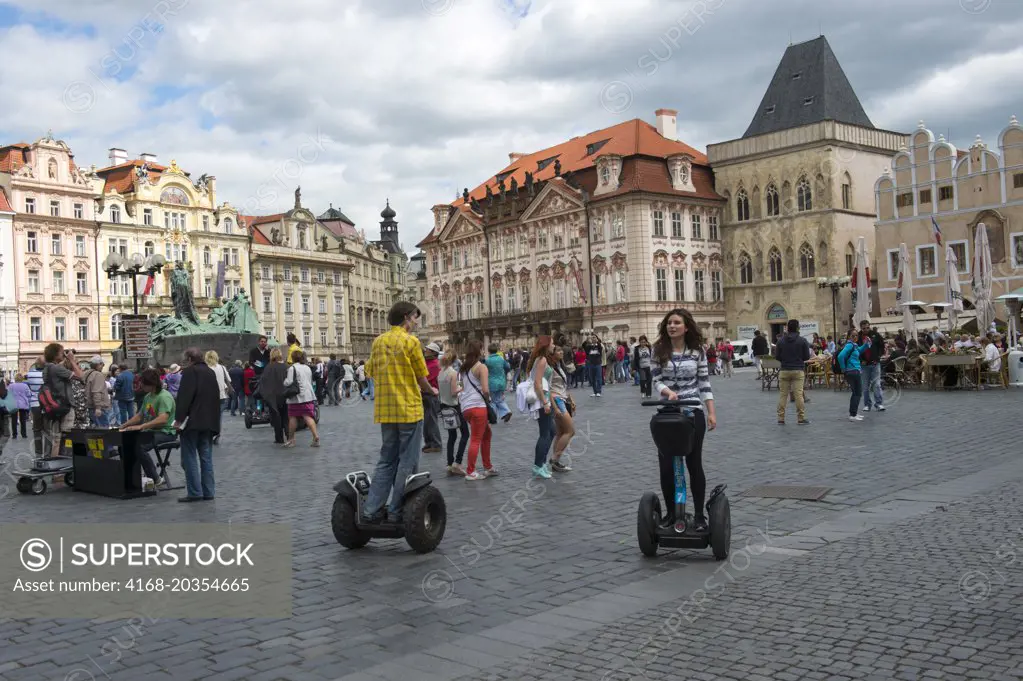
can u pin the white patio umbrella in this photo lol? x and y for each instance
(953, 291)
(861, 284)
(982, 280)
(904, 292)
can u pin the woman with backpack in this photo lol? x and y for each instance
(849, 362)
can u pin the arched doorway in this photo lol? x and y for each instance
(777, 315)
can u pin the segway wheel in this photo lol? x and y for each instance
(24, 485)
(426, 516)
(647, 519)
(248, 420)
(342, 522)
(719, 518)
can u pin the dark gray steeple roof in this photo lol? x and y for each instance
(809, 86)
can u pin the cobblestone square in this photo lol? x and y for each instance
(901, 571)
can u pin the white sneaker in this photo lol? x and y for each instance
(856, 418)
(881, 407)
(866, 408)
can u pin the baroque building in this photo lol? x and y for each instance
(377, 279)
(148, 208)
(607, 231)
(54, 247)
(931, 180)
(8, 291)
(299, 282)
(798, 186)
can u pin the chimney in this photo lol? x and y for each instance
(147, 157)
(118, 156)
(515, 156)
(666, 124)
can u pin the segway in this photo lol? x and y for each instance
(673, 428)
(424, 515)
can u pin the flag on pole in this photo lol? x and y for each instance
(150, 283)
(937, 230)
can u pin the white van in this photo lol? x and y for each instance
(743, 353)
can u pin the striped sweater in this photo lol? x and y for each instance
(685, 374)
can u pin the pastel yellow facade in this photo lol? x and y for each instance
(930, 179)
(146, 208)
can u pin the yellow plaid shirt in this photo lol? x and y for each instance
(395, 364)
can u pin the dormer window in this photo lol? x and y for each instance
(769, 110)
(605, 175)
(609, 170)
(807, 101)
(680, 168)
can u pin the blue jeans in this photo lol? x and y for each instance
(546, 439)
(595, 374)
(127, 409)
(497, 399)
(368, 391)
(399, 458)
(197, 460)
(855, 381)
(872, 395)
(101, 421)
(225, 404)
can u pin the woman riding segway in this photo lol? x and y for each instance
(680, 372)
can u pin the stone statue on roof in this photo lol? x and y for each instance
(490, 196)
(323, 242)
(298, 197)
(275, 235)
(465, 195)
(557, 167)
(514, 186)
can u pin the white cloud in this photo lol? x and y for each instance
(412, 105)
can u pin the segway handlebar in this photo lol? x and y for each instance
(672, 403)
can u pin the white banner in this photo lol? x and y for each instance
(807, 329)
(745, 332)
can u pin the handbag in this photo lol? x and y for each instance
(294, 389)
(449, 417)
(491, 412)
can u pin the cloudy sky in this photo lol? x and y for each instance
(361, 100)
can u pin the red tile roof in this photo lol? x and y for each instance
(5, 205)
(12, 157)
(122, 176)
(643, 151)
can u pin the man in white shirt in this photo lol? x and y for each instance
(992, 356)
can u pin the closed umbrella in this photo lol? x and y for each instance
(982, 280)
(861, 285)
(953, 291)
(904, 292)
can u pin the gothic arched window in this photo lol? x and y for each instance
(774, 259)
(806, 265)
(745, 268)
(741, 206)
(771, 195)
(804, 196)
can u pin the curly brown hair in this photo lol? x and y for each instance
(693, 335)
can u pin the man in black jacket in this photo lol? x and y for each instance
(792, 351)
(197, 418)
(870, 362)
(594, 350)
(759, 349)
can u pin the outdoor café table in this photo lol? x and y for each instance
(969, 363)
(769, 366)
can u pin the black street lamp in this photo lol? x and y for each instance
(834, 283)
(115, 265)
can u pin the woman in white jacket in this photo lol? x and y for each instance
(303, 405)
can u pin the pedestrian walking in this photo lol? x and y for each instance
(22, 394)
(473, 399)
(594, 350)
(271, 391)
(563, 408)
(759, 348)
(450, 414)
(870, 361)
(97, 399)
(497, 372)
(849, 363)
(641, 360)
(197, 420)
(792, 351)
(302, 401)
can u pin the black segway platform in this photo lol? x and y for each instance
(423, 518)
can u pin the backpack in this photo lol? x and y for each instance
(53, 405)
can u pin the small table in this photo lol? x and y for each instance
(969, 364)
(769, 367)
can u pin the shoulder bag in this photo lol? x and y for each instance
(54, 405)
(491, 412)
(294, 389)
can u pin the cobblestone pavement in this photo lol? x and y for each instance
(518, 551)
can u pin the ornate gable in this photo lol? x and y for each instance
(551, 201)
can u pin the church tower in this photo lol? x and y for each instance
(389, 230)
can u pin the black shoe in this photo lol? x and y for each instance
(373, 519)
(668, 521)
(186, 500)
(208, 498)
(699, 524)
(804, 422)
